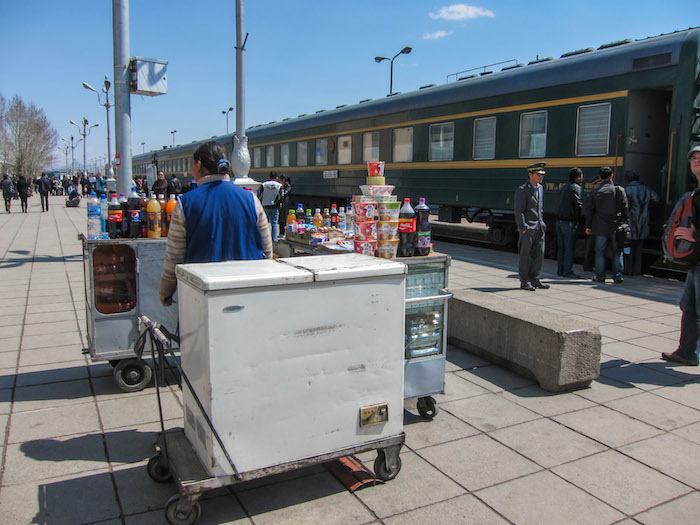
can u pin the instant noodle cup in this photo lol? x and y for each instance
(365, 231)
(375, 169)
(364, 211)
(388, 211)
(387, 249)
(366, 247)
(385, 198)
(363, 198)
(375, 181)
(377, 189)
(387, 230)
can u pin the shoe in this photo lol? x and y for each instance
(618, 281)
(675, 358)
(572, 275)
(527, 286)
(596, 280)
(538, 284)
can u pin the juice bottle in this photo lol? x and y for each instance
(326, 217)
(318, 218)
(163, 216)
(133, 206)
(300, 213)
(422, 228)
(308, 218)
(114, 218)
(170, 208)
(153, 218)
(291, 221)
(334, 215)
(407, 229)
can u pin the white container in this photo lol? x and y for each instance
(282, 385)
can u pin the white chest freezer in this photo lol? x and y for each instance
(291, 358)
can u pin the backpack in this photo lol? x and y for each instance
(680, 251)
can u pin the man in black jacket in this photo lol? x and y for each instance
(568, 215)
(44, 187)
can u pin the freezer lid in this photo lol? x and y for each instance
(241, 274)
(346, 266)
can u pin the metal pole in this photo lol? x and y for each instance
(110, 170)
(391, 77)
(122, 93)
(84, 134)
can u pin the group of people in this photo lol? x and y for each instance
(273, 195)
(19, 187)
(606, 208)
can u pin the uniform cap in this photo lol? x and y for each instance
(693, 150)
(596, 179)
(537, 167)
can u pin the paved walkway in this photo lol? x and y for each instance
(501, 450)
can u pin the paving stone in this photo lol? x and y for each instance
(41, 318)
(51, 340)
(657, 411)
(543, 499)
(457, 387)
(670, 454)
(546, 403)
(691, 433)
(8, 361)
(51, 372)
(462, 509)
(641, 376)
(622, 482)
(628, 352)
(51, 328)
(43, 307)
(9, 344)
(125, 411)
(607, 426)
(51, 422)
(495, 378)
(548, 443)
(684, 393)
(421, 433)
(681, 510)
(618, 332)
(134, 444)
(656, 343)
(478, 461)
(52, 395)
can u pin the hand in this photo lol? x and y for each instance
(687, 234)
(166, 301)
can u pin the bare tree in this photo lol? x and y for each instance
(28, 137)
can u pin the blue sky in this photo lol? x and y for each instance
(302, 55)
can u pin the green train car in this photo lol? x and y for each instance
(631, 105)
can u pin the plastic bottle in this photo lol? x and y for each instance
(144, 215)
(153, 218)
(326, 217)
(342, 220)
(133, 206)
(300, 213)
(94, 217)
(349, 219)
(163, 216)
(334, 215)
(104, 214)
(291, 221)
(308, 218)
(423, 243)
(114, 217)
(170, 208)
(407, 229)
(125, 215)
(318, 218)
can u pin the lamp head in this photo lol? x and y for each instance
(88, 86)
(107, 84)
(72, 122)
(379, 59)
(406, 50)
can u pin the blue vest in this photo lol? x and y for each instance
(221, 224)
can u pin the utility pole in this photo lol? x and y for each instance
(122, 93)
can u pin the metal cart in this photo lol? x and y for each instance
(122, 278)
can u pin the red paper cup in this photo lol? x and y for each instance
(375, 169)
(364, 211)
(366, 231)
(366, 247)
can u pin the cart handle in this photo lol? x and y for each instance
(446, 294)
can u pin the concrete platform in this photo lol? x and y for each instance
(500, 450)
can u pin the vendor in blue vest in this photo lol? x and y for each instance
(216, 221)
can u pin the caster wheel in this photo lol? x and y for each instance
(381, 470)
(175, 518)
(132, 375)
(156, 470)
(427, 407)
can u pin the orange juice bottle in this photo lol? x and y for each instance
(153, 214)
(318, 218)
(169, 209)
(291, 221)
(163, 216)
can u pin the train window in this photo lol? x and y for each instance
(302, 155)
(485, 138)
(593, 129)
(321, 152)
(403, 145)
(370, 146)
(270, 156)
(344, 149)
(284, 155)
(442, 139)
(533, 134)
(257, 158)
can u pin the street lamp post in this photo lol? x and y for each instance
(107, 105)
(173, 134)
(73, 145)
(84, 133)
(405, 51)
(226, 112)
(143, 147)
(65, 150)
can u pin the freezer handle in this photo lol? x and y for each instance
(445, 294)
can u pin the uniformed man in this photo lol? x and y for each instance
(530, 222)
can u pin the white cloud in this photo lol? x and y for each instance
(461, 12)
(436, 34)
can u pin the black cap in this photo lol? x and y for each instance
(538, 167)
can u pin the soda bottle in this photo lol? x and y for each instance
(422, 228)
(144, 215)
(104, 214)
(300, 213)
(334, 215)
(342, 220)
(153, 213)
(318, 218)
(114, 218)
(407, 229)
(133, 207)
(163, 216)
(125, 215)
(308, 218)
(291, 221)
(326, 217)
(94, 218)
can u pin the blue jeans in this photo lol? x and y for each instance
(690, 320)
(566, 245)
(273, 217)
(601, 242)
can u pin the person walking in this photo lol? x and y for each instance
(44, 188)
(689, 343)
(568, 216)
(23, 191)
(639, 198)
(531, 227)
(7, 191)
(270, 194)
(174, 187)
(602, 208)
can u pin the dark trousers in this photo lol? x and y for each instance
(531, 248)
(44, 201)
(690, 306)
(23, 202)
(8, 203)
(633, 261)
(566, 245)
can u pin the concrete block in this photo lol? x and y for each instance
(561, 353)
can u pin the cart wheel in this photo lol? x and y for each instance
(381, 470)
(427, 407)
(156, 470)
(175, 518)
(132, 375)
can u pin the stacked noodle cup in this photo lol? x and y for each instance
(376, 237)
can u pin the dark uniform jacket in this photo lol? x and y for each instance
(602, 206)
(570, 204)
(528, 208)
(44, 186)
(639, 197)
